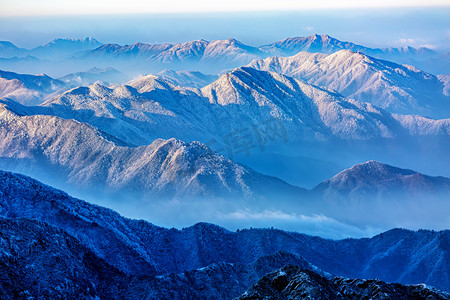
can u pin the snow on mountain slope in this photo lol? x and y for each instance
(230, 51)
(261, 95)
(326, 44)
(396, 88)
(39, 260)
(424, 58)
(187, 78)
(313, 44)
(109, 75)
(189, 51)
(445, 79)
(211, 56)
(293, 282)
(374, 175)
(151, 107)
(28, 89)
(138, 247)
(138, 113)
(400, 196)
(92, 159)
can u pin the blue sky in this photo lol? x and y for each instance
(388, 23)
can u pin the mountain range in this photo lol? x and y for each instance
(92, 158)
(57, 49)
(95, 158)
(210, 57)
(176, 146)
(242, 111)
(60, 233)
(244, 98)
(396, 88)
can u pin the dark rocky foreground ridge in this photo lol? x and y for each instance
(292, 282)
(56, 246)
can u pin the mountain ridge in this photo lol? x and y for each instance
(355, 75)
(140, 247)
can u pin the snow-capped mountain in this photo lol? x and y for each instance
(396, 88)
(445, 79)
(423, 58)
(377, 193)
(231, 51)
(188, 51)
(138, 113)
(305, 109)
(107, 75)
(313, 44)
(241, 99)
(241, 112)
(209, 57)
(192, 79)
(202, 55)
(138, 248)
(61, 266)
(93, 159)
(379, 177)
(326, 44)
(293, 282)
(28, 89)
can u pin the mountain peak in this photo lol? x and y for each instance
(374, 168)
(7, 44)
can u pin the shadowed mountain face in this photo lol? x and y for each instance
(294, 283)
(61, 266)
(39, 260)
(138, 247)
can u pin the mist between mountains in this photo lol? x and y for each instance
(256, 136)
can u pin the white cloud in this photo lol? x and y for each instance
(319, 225)
(309, 28)
(407, 42)
(416, 43)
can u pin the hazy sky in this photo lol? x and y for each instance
(382, 23)
(58, 7)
